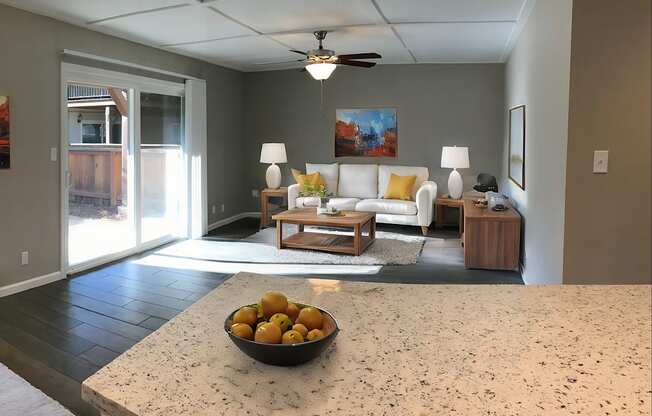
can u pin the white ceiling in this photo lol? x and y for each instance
(255, 35)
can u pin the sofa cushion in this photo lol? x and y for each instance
(346, 204)
(358, 181)
(307, 202)
(387, 206)
(385, 172)
(329, 172)
(400, 187)
(310, 179)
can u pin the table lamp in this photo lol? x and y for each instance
(456, 158)
(273, 153)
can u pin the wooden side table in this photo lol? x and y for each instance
(441, 203)
(492, 240)
(265, 194)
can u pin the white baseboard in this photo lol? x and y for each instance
(229, 220)
(30, 283)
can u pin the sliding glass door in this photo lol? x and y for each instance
(161, 161)
(124, 180)
(100, 215)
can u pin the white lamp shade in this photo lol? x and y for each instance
(455, 157)
(321, 71)
(273, 153)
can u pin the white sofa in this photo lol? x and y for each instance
(361, 187)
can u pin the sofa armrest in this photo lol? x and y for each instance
(293, 194)
(425, 200)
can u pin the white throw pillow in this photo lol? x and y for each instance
(385, 172)
(358, 181)
(328, 171)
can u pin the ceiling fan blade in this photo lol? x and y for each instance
(357, 63)
(370, 55)
(299, 52)
(279, 62)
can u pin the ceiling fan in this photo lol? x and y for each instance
(321, 63)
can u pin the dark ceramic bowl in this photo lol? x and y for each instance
(285, 354)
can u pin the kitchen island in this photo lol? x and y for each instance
(403, 350)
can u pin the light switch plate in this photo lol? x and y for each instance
(53, 154)
(600, 161)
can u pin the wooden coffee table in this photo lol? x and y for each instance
(355, 244)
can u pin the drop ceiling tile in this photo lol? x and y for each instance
(238, 51)
(396, 56)
(450, 10)
(82, 11)
(346, 40)
(456, 42)
(173, 26)
(289, 15)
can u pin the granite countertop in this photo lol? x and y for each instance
(403, 350)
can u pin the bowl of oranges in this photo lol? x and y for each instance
(280, 332)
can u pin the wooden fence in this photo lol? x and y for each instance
(96, 172)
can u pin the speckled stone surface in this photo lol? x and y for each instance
(403, 350)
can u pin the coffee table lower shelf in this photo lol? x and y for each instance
(325, 242)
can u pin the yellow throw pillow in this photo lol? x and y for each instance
(400, 187)
(312, 179)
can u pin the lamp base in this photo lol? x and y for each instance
(455, 185)
(273, 176)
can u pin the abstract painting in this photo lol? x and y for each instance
(5, 142)
(517, 145)
(366, 132)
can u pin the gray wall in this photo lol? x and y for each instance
(609, 110)
(436, 105)
(30, 74)
(537, 75)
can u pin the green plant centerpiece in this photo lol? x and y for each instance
(318, 191)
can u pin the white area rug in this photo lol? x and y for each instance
(388, 249)
(19, 398)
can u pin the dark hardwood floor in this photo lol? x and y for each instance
(57, 335)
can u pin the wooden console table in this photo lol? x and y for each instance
(265, 194)
(492, 240)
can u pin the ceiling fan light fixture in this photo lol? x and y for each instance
(321, 71)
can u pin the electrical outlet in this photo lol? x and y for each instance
(223, 207)
(213, 210)
(255, 193)
(24, 258)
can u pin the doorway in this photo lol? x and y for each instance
(123, 165)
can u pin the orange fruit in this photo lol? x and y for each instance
(315, 334)
(292, 311)
(242, 330)
(311, 318)
(292, 337)
(268, 333)
(300, 328)
(273, 302)
(246, 315)
(282, 320)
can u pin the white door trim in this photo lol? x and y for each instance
(196, 153)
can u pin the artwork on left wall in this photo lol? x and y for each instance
(366, 132)
(5, 141)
